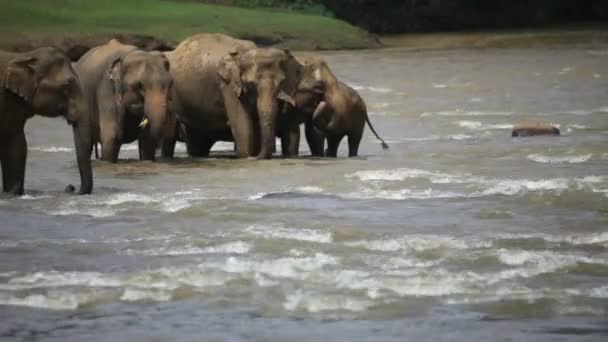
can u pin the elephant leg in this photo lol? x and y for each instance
(333, 142)
(13, 165)
(198, 146)
(147, 147)
(315, 140)
(354, 139)
(168, 148)
(290, 142)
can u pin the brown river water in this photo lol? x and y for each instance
(457, 232)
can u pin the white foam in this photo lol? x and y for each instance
(539, 158)
(130, 198)
(33, 198)
(65, 302)
(135, 295)
(310, 189)
(316, 302)
(286, 267)
(60, 279)
(237, 247)
(477, 125)
(603, 109)
(94, 212)
(174, 205)
(402, 174)
(513, 187)
(460, 112)
(460, 137)
(403, 194)
(279, 232)
(373, 89)
(51, 149)
(576, 126)
(415, 243)
(599, 292)
(439, 85)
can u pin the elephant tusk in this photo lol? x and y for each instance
(143, 123)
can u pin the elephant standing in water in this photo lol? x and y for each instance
(128, 91)
(331, 109)
(228, 89)
(41, 82)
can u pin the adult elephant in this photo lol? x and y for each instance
(128, 91)
(41, 82)
(228, 89)
(331, 110)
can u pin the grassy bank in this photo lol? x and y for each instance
(175, 20)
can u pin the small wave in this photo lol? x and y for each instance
(286, 267)
(439, 85)
(63, 302)
(51, 149)
(301, 234)
(477, 125)
(404, 194)
(137, 295)
(94, 212)
(373, 89)
(34, 198)
(309, 189)
(539, 158)
(130, 197)
(416, 243)
(407, 173)
(315, 302)
(460, 112)
(238, 247)
(173, 205)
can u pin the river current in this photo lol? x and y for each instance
(457, 232)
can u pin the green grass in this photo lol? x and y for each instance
(175, 20)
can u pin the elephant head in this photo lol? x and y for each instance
(259, 78)
(142, 90)
(316, 80)
(45, 81)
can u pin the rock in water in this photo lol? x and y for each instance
(535, 128)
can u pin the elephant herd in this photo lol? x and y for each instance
(210, 88)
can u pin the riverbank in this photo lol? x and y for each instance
(36, 22)
(569, 36)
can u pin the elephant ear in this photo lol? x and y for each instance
(20, 77)
(115, 75)
(230, 73)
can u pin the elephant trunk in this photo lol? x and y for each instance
(78, 116)
(267, 107)
(155, 111)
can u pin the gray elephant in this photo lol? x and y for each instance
(128, 91)
(331, 109)
(42, 82)
(228, 89)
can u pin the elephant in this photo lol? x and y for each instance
(228, 89)
(128, 91)
(41, 81)
(330, 109)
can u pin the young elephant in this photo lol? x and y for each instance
(41, 81)
(338, 109)
(128, 91)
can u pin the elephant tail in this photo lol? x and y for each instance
(382, 142)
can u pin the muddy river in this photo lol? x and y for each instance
(457, 232)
